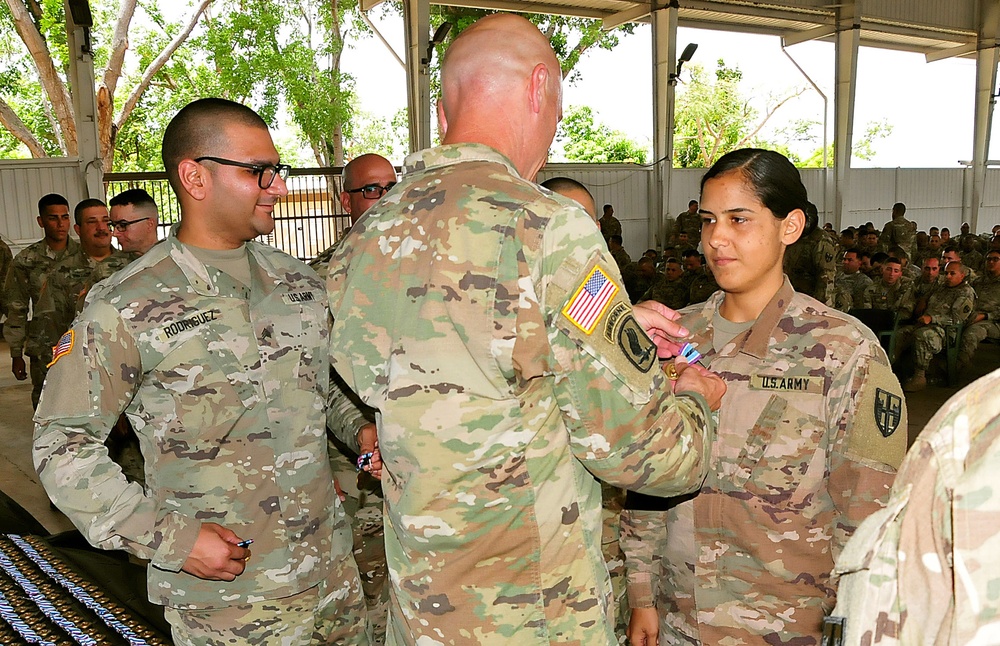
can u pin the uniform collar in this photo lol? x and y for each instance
(455, 154)
(756, 340)
(201, 279)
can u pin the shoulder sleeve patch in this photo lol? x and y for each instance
(590, 300)
(879, 426)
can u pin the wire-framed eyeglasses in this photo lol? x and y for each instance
(373, 191)
(122, 225)
(265, 172)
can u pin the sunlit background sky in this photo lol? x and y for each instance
(929, 105)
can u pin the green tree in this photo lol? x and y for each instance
(372, 134)
(592, 142)
(713, 117)
(864, 146)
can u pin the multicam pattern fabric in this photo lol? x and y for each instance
(946, 306)
(23, 287)
(988, 302)
(811, 265)
(923, 570)
(226, 387)
(66, 285)
(495, 411)
(811, 430)
(899, 232)
(894, 298)
(852, 291)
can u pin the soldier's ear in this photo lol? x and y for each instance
(195, 178)
(792, 226)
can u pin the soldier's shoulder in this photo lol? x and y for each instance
(281, 262)
(839, 331)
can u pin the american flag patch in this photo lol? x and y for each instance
(63, 347)
(591, 300)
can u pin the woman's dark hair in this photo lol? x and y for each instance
(775, 181)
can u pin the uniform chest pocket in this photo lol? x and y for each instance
(783, 459)
(292, 343)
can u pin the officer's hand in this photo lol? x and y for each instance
(216, 555)
(18, 368)
(643, 627)
(659, 322)
(694, 378)
(375, 467)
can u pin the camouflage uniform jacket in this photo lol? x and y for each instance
(856, 284)
(923, 570)
(988, 296)
(690, 223)
(951, 305)
(610, 226)
(23, 287)
(672, 293)
(225, 386)
(899, 232)
(453, 303)
(6, 261)
(811, 265)
(894, 298)
(68, 280)
(810, 432)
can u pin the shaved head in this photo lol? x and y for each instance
(501, 85)
(365, 170)
(574, 190)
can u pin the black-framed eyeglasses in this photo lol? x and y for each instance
(265, 172)
(122, 225)
(373, 191)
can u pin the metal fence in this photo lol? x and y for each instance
(307, 221)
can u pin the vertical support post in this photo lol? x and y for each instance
(81, 68)
(987, 55)
(848, 39)
(416, 15)
(664, 19)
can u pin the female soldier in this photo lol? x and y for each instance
(811, 431)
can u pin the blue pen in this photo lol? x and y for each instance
(245, 543)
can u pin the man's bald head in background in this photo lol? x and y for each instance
(368, 170)
(501, 85)
(574, 190)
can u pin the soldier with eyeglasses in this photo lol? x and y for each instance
(215, 347)
(134, 218)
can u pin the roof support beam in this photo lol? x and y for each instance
(416, 16)
(81, 66)
(629, 15)
(807, 35)
(951, 52)
(664, 20)
(847, 41)
(986, 82)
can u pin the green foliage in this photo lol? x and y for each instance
(864, 146)
(588, 141)
(372, 134)
(570, 37)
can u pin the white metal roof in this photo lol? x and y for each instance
(933, 27)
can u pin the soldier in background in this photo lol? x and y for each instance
(852, 284)
(891, 292)
(671, 289)
(215, 346)
(23, 288)
(810, 263)
(985, 321)
(609, 224)
(69, 280)
(618, 252)
(948, 306)
(574, 190)
(928, 283)
(688, 223)
(6, 261)
(899, 231)
(134, 220)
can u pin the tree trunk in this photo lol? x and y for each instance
(16, 127)
(51, 82)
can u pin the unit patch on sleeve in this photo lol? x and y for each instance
(888, 411)
(590, 300)
(63, 347)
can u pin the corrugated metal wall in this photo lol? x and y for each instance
(933, 196)
(933, 13)
(22, 182)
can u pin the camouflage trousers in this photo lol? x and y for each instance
(332, 612)
(364, 504)
(975, 334)
(613, 500)
(38, 367)
(926, 341)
